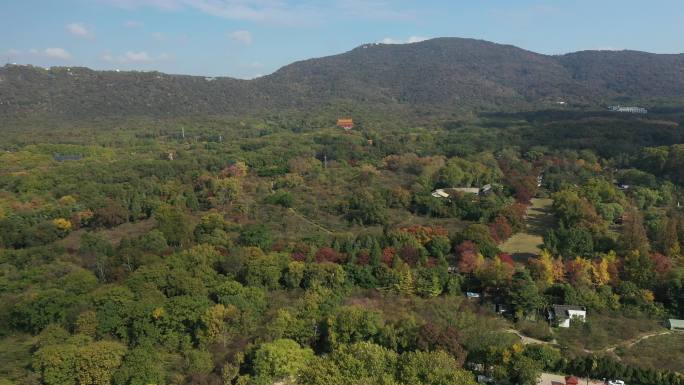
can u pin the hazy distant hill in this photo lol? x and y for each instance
(445, 73)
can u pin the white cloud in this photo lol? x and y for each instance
(283, 12)
(608, 48)
(527, 14)
(412, 39)
(132, 24)
(131, 4)
(389, 40)
(57, 53)
(136, 57)
(267, 11)
(158, 36)
(416, 39)
(133, 57)
(375, 10)
(79, 30)
(241, 37)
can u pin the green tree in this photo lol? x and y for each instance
(428, 283)
(96, 362)
(352, 324)
(174, 224)
(432, 368)
(524, 294)
(523, 370)
(91, 363)
(356, 364)
(257, 236)
(280, 359)
(198, 362)
(264, 270)
(327, 274)
(405, 283)
(56, 364)
(294, 274)
(638, 269)
(219, 324)
(633, 236)
(141, 366)
(366, 208)
(35, 311)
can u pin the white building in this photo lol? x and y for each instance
(440, 193)
(453, 191)
(561, 315)
(631, 110)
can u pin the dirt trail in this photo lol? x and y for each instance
(309, 221)
(628, 344)
(634, 341)
(529, 340)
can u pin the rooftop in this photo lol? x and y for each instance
(676, 322)
(563, 311)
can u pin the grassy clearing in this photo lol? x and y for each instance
(660, 352)
(538, 220)
(113, 235)
(15, 356)
(604, 331)
(522, 246)
(535, 329)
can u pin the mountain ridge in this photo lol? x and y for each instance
(441, 73)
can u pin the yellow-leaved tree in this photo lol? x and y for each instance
(220, 324)
(62, 224)
(599, 272)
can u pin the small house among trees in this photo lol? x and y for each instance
(561, 315)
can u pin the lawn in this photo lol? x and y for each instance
(660, 352)
(538, 220)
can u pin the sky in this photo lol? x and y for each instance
(251, 38)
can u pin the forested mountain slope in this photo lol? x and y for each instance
(444, 73)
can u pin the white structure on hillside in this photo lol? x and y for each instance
(561, 315)
(631, 110)
(453, 191)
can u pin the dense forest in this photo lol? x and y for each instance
(282, 249)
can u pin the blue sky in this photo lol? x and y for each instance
(249, 38)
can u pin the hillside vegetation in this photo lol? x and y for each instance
(446, 74)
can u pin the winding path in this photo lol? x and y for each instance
(628, 343)
(634, 341)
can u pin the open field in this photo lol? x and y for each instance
(113, 235)
(604, 332)
(527, 244)
(660, 352)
